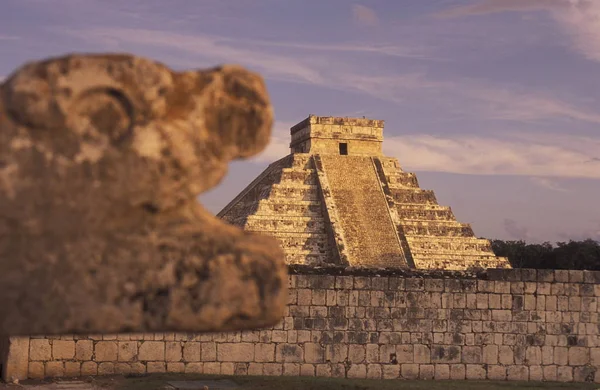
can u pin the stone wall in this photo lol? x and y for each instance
(497, 324)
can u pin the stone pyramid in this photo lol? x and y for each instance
(336, 199)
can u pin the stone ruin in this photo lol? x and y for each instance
(102, 158)
(337, 199)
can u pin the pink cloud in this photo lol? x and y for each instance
(364, 15)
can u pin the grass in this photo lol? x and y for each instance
(158, 381)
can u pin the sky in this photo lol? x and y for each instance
(494, 104)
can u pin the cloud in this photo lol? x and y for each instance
(279, 146)
(548, 183)
(392, 50)
(364, 15)
(544, 158)
(495, 6)
(582, 22)
(587, 233)
(580, 19)
(514, 154)
(331, 69)
(514, 230)
(525, 105)
(215, 48)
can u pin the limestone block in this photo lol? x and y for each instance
(490, 354)
(54, 369)
(208, 352)
(156, 367)
(315, 353)
(106, 351)
(72, 369)
(127, 351)
(579, 356)
(409, 371)
(191, 351)
(150, 351)
(518, 373)
(40, 349)
(238, 352)
(307, 370)
(422, 353)
(174, 353)
(36, 371)
(496, 372)
(89, 368)
(103, 157)
(475, 371)
(457, 371)
(564, 374)
(193, 368)
(336, 353)
(561, 356)
(536, 373)
(63, 349)
(264, 352)
(426, 371)
(273, 369)
(176, 367)
(15, 357)
(549, 373)
(442, 372)
(291, 369)
(84, 350)
(289, 353)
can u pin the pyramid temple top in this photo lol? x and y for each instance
(337, 135)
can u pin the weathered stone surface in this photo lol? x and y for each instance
(102, 158)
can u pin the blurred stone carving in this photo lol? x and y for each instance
(102, 158)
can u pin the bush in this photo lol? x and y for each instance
(581, 255)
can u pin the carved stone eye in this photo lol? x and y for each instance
(109, 112)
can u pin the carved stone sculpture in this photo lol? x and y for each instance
(102, 158)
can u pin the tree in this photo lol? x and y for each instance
(571, 255)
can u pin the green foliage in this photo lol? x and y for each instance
(564, 255)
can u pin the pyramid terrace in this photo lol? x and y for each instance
(337, 199)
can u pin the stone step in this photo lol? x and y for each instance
(413, 195)
(460, 264)
(302, 161)
(71, 385)
(362, 208)
(295, 218)
(304, 176)
(401, 180)
(306, 252)
(418, 247)
(426, 215)
(430, 223)
(461, 240)
(315, 242)
(390, 163)
(416, 229)
(297, 224)
(448, 255)
(420, 206)
(300, 192)
(277, 207)
(306, 259)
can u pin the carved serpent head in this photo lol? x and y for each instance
(136, 130)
